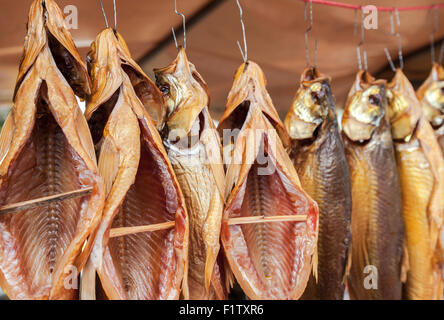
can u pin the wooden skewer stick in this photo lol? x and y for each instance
(118, 232)
(263, 219)
(29, 204)
(124, 231)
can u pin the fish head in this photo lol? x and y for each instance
(365, 108)
(431, 95)
(404, 108)
(310, 106)
(185, 93)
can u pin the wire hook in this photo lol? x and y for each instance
(184, 28)
(361, 43)
(398, 35)
(104, 14)
(115, 14)
(244, 52)
(441, 52)
(432, 34)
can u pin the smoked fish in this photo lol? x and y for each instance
(141, 189)
(194, 149)
(270, 260)
(46, 149)
(377, 226)
(431, 97)
(421, 173)
(318, 156)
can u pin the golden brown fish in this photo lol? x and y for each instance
(46, 149)
(141, 187)
(421, 172)
(194, 150)
(377, 227)
(318, 156)
(431, 97)
(271, 260)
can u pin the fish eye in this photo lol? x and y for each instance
(317, 96)
(374, 99)
(165, 89)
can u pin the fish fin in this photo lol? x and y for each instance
(6, 135)
(108, 162)
(405, 265)
(85, 136)
(314, 263)
(88, 282)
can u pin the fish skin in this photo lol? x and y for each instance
(377, 226)
(269, 260)
(137, 175)
(199, 170)
(431, 97)
(421, 171)
(320, 162)
(46, 148)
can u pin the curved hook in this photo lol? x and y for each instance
(310, 27)
(184, 27)
(104, 14)
(115, 14)
(244, 52)
(398, 35)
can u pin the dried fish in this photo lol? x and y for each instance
(269, 260)
(318, 156)
(46, 149)
(431, 96)
(421, 172)
(377, 227)
(194, 150)
(140, 184)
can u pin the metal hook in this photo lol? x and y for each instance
(115, 14)
(244, 52)
(398, 35)
(184, 28)
(360, 44)
(432, 34)
(441, 52)
(307, 55)
(104, 14)
(389, 58)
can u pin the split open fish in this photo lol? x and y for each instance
(318, 156)
(46, 149)
(193, 147)
(141, 188)
(421, 172)
(431, 97)
(377, 226)
(270, 260)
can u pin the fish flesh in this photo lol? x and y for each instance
(141, 189)
(431, 97)
(46, 149)
(377, 226)
(318, 156)
(421, 173)
(270, 260)
(193, 147)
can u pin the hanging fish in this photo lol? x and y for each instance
(431, 97)
(141, 187)
(46, 149)
(421, 172)
(377, 226)
(270, 260)
(318, 156)
(194, 150)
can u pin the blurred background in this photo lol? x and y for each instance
(275, 36)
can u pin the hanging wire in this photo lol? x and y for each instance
(310, 26)
(433, 11)
(244, 52)
(104, 13)
(441, 53)
(398, 35)
(360, 44)
(184, 28)
(355, 23)
(115, 14)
